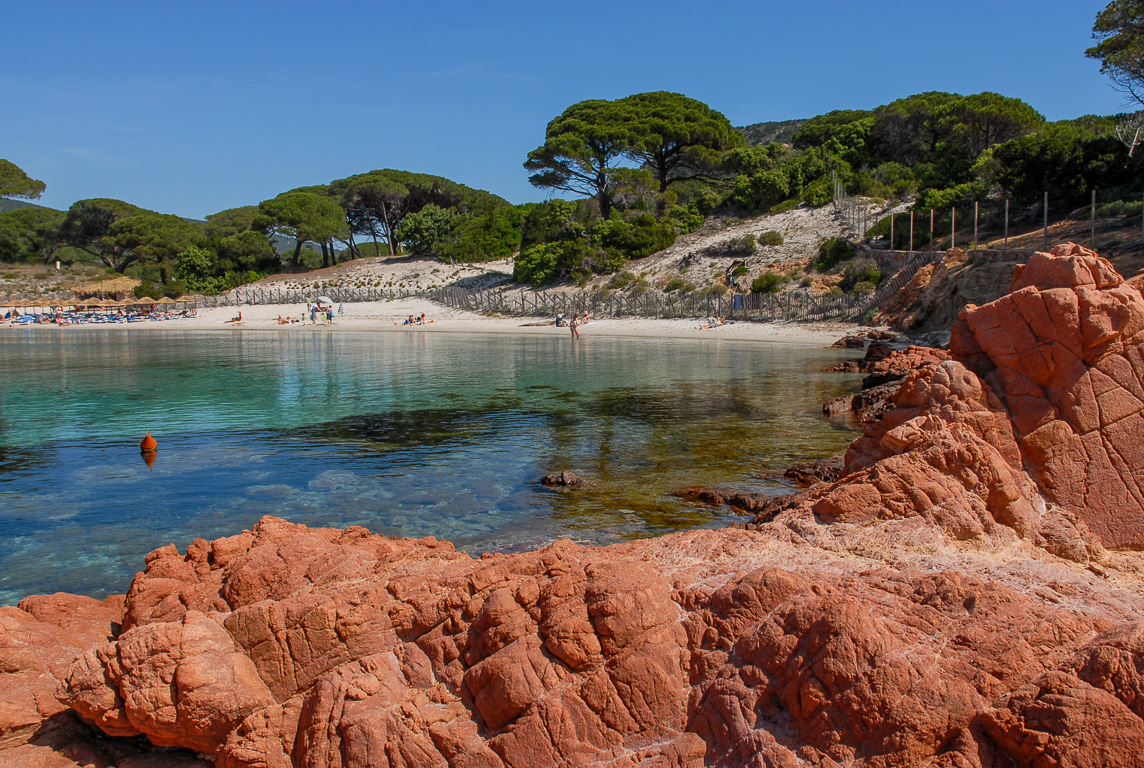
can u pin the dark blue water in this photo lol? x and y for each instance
(409, 434)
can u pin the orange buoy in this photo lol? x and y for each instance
(148, 443)
(149, 458)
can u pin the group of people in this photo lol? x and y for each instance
(713, 322)
(318, 310)
(573, 324)
(414, 320)
(58, 316)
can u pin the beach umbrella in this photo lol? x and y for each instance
(184, 300)
(144, 300)
(165, 300)
(325, 300)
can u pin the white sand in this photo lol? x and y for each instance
(387, 316)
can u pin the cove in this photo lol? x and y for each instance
(418, 434)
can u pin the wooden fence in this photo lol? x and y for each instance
(767, 307)
(784, 307)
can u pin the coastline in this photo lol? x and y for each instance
(386, 317)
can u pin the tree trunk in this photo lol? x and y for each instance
(353, 246)
(295, 262)
(388, 230)
(325, 255)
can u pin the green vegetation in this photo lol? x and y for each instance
(770, 237)
(15, 183)
(768, 282)
(861, 272)
(832, 252)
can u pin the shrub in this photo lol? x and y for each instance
(718, 289)
(538, 264)
(736, 247)
(832, 252)
(770, 237)
(760, 190)
(688, 219)
(860, 271)
(768, 282)
(864, 288)
(739, 271)
(806, 281)
(674, 284)
(783, 207)
(621, 280)
(818, 193)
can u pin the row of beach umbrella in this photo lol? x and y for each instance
(101, 303)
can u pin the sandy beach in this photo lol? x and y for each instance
(388, 316)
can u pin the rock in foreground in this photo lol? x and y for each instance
(935, 606)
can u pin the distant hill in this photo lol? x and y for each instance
(764, 133)
(9, 204)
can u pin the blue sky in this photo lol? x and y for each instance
(191, 108)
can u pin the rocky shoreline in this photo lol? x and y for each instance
(968, 592)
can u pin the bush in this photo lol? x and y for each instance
(674, 284)
(768, 282)
(718, 289)
(621, 280)
(783, 207)
(735, 247)
(539, 264)
(818, 193)
(832, 252)
(770, 237)
(688, 219)
(864, 288)
(642, 236)
(739, 271)
(760, 190)
(860, 271)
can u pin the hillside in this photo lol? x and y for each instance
(782, 131)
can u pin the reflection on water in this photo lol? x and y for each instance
(410, 434)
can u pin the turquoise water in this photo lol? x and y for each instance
(411, 434)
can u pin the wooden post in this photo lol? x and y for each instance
(1046, 222)
(931, 229)
(976, 244)
(1092, 223)
(1006, 224)
(891, 231)
(953, 228)
(911, 229)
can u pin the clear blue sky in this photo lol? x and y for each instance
(191, 108)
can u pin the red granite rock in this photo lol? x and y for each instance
(1064, 351)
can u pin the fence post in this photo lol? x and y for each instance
(1046, 222)
(976, 244)
(1006, 224)
(1092, 223)
(911, 229)
(891, 230)
(931, 229)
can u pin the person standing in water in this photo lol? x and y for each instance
(572, 324)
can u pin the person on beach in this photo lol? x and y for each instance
(330, 315)
(423, 320)
(572, 324)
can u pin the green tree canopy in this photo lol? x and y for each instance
(151, 237)
(28, 234)
(975, 123)
(582, 149)
(677, 137)
(88, 222)
(232, 221)
(905, 130)
(15, 183)
(1119, 28)
(304, 216)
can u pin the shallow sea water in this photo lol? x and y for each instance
(412, 434)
